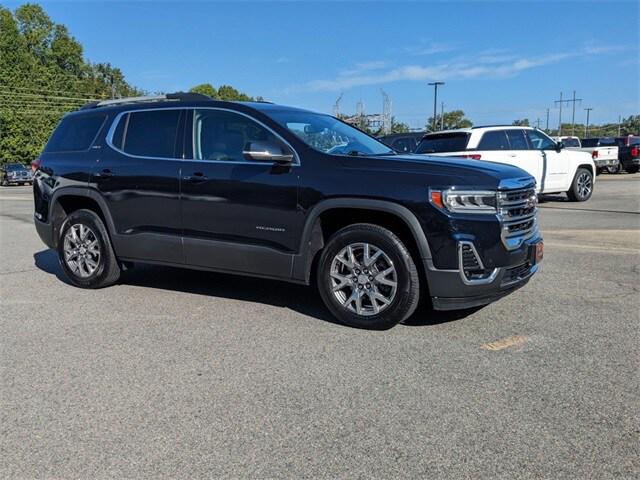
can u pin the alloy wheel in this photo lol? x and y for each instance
(81, 250)
(363, 279)
(584, 185)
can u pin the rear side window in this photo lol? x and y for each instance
(75, 133)
(607, 142)
(517, 140)
(443, 142)
(494, 140)
(150, 133)
(571, 142)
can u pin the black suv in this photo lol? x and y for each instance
(281, 193)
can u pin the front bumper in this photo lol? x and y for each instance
(450, 291)
(45, 232)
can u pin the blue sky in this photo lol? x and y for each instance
(500, 60)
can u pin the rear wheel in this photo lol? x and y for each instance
(582, 186)
(367, 278)
(615, 169)
(85, 251)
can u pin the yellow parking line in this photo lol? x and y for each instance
(514, 341)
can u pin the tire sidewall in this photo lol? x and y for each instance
(574, 187)
(391, 246)
(92, 221)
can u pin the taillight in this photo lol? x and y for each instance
(594, 154)
(474, 156)
(634, 151)
(35, 165)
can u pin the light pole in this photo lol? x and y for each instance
(435, 102)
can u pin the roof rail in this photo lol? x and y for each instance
(179, 96)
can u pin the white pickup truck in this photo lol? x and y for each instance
(556, 168)
(603, 150)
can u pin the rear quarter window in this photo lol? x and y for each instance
(443, 142)
(590, 142)
(75, 133)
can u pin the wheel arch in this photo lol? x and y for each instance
(329, 215)
(69, 199)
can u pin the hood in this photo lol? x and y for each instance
(447, 171)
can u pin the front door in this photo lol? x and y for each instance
(237, 215)
(555, 165)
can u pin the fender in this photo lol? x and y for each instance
(310, 244)
(87, 193)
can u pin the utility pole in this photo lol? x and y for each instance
(559, 102)
(619, 124)
(573, 117)
(435, 102)
(547, 129)
(442, 116)
(537, 122)
(586, 127)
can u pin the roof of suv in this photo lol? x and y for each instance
(481, 128)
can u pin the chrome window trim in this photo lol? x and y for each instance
(116, 121)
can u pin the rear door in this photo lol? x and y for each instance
(138, 174)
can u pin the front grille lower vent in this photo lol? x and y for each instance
(470, 262)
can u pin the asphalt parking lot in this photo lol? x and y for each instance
(186, 374)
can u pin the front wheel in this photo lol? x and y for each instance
(582, 186)
(367, 278)
(85, 251)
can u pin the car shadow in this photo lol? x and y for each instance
(552, 198)
(300, 298)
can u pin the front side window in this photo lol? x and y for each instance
(223, 136)
(539, 141)
(75, 133)
(151, 133)
(329, 135)
(494, 140)
(517, 139)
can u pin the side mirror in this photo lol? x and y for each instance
(265, 151)
(559, 146)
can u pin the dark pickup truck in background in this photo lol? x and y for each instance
(628, 153)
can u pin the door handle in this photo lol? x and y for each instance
(197, 177)
(106, 173)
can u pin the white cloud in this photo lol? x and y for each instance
(488, 64)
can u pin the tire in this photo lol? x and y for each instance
(616, 169)
(582, 186)
(5, 182)
(379, 305)
(91, 270)
(633, 169)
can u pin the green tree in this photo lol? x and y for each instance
(521, 123)
(452, 120)
(227, 92)
(398, 127)
(205, 89)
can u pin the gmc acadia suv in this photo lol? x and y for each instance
(281, 193)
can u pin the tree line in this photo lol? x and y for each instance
(43, 75)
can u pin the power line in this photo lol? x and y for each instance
(42, 89)
(14, 94)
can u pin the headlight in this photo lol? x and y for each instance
(465, 201)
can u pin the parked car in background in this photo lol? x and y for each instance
(555, 168)
(569, 141)
(403, 142)
(628, 153)
(282, 193)
(603, 150)
(16, 174)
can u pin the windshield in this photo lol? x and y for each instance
(329, 135)
(15, 166)
(443, 142)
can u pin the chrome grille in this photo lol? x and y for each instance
(517, 210)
